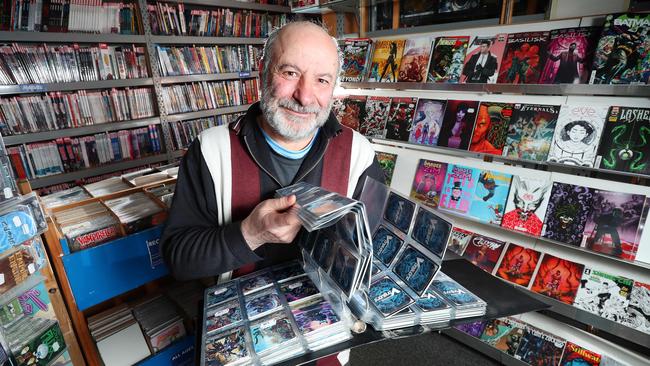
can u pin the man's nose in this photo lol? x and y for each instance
(304, 92)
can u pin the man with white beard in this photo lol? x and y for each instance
(224, 216)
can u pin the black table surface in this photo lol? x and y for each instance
(503, 299)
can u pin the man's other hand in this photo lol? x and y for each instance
(272, 221)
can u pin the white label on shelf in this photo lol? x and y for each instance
(32, 87)
(8, 192)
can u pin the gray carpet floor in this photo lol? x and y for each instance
(426, 349)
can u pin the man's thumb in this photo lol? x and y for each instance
(282, 203)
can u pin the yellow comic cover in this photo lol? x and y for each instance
(385, 61)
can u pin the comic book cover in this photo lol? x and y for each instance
(622, 52)
(518, 264)
(523, 58)
(415, 60)
(427, 120)
(613, 224)
(638, 313)
(569, 55)
(604, 294)
(507, 336)
(447, 59)
(491, 128)
(374, 122)
(452, 6)
(625, 145)
(566, 214)
(355, 58)
(398, 126)
(576, 355)
(458, 187)
(540, 348)
(387, 164)
(475, 329)
(526, 205)
(386, 58)
(577, 134)
(456, 129)
(428, 181)
(459, 240)
(558, 278)
(351, 111)
(489, 197)
(484, 252)
(483, 58)
(530, 131)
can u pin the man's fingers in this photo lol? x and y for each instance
(283, 219)
(282, 203)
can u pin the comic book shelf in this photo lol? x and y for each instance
(408, 155)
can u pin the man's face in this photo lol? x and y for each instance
(297, 94)
(484, 48)
(572, 47)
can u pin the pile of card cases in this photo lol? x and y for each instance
(21, 218)
(270, 316)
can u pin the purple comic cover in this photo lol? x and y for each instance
(570, 55)
(567, 213)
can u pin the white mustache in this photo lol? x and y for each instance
(294, 106)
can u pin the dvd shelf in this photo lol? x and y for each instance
(184, 132)
(194, 97)
(174, 61)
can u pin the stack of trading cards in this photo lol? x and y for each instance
(465, 303)
(106, 186)
(317, 207)
(144, 176)
(164, 193)
(160, 322)
(136, 211)
(269, 316)
(65, 197)
(87, 226)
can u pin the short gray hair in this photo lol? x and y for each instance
(267, 50)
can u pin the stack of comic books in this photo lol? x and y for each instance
(269, 316)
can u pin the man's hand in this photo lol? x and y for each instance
(272, 221)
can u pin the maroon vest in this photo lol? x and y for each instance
(246, 177)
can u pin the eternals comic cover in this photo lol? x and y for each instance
(484, 252)
(567, 212)
(526, 205)
(428, 181)
(387, 164)
(415, 60)
(622, 51)
(638, 313)
(457, 125)
(540, 348)
(459, 240)
(447, 59)
(577, 355)
(577, 134)
(386, 58)
(530, 131)
(625, 144)
(523, 58)
(613, 224)
(489, 196)
(491, 128)
(427, 121)
(570, 54)
(351, 110)
(398, 126)
(356, 52)
(604, 294)
(558, 278)
(458, 188)
(518, 264)
(483, 58)
(374, 121)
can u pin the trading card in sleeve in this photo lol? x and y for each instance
(323, 252)
(297, 189)
(431, 231)
(415, 269)
(452, 291)
(385, 245)
(255, 281)
(298, 289)
(226, 348)
(271, 331)
(221, 293)
(222, 316)
(399, 212)
(308, 240)
(288, 271)
(262, 303)
(388, 297)
(314, 314)
(430, 301)
(346, 229)
(345, 269)
(327, 206)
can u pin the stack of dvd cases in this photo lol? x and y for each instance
(160, 321)
(136, 211)
(269, 316)
(87, 226)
